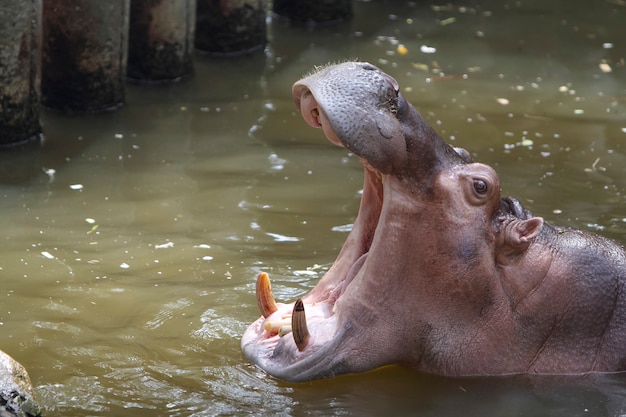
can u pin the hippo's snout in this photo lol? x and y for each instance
(358, 107)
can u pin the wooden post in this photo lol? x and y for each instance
(313, 11)
(231, 27)
(161, 40)
(20, 65)
(84, 54)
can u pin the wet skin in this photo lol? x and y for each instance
(439, 273)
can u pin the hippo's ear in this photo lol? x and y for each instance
(526, 230)
(517, 236)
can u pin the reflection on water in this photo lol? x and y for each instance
(131, 240)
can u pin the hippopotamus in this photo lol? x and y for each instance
(439, 273)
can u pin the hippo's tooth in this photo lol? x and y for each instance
(284, 331)
(264, 296)
(298, 325)
(273, 327)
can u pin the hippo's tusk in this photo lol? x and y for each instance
(298, 325)
(264, 296)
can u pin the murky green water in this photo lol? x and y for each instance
(131, 240)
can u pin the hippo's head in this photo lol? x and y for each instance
(426, 254)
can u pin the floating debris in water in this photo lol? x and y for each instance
(76, 186)
(425, 49)
(308, 273)
(502, 101)
(124, 265)
(420, 66)
(282, 238)
(277, 162)
(342, 228)
(447, 21)
(93, 229)
(402, 50)
(50, 173)
(202, 246)
(595, 226)
(47, 255)
(594, 166)
(605, 67)
(164, 245)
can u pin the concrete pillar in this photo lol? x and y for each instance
(231, 27)
(313, 11)
(84, 54)
(161, 40)
(20, 64)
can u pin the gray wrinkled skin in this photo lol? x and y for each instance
(440, 273)
(16, 391)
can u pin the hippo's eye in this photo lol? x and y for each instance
(480, 187)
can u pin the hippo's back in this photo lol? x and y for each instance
(598, 307)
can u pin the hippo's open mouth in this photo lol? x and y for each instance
(313, 321)
(289, 338)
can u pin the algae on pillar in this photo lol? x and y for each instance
(84, 54)
(313, 11)
(230, 27)
(20, 66)
(161, 40)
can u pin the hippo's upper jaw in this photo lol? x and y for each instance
(438, 272)
(360, 108)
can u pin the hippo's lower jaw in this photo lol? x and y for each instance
(313, 337)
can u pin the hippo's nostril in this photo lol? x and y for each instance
(393, 82)
(316, 115)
